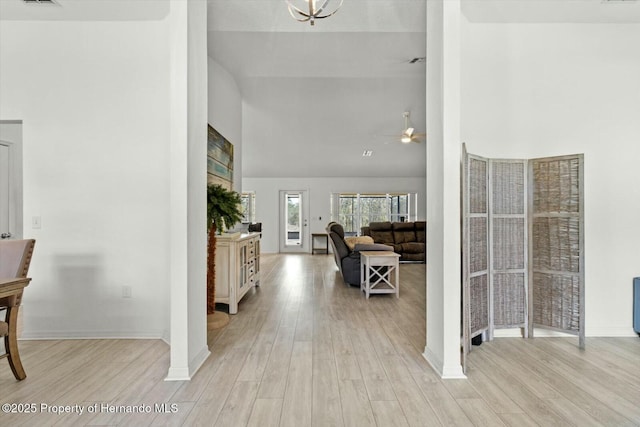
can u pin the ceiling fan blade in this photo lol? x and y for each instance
(408, 132)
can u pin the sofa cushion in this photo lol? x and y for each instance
(413, 257)
(421, 231)
(404, 232)
(352, 241)
(380, 226)
(381, 232)
(412, 248)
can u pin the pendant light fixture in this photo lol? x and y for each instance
(311, 11)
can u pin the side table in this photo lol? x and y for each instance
(325, 236)
(379, 272)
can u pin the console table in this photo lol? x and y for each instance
(237, 267)
(323, 236)
(379, 272)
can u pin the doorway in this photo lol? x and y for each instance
(10, 179)
(294, 221)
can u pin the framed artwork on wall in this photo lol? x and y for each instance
(219, 159)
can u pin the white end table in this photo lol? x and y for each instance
(374, 279)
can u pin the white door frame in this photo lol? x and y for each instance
(304, 220)
(11, 137)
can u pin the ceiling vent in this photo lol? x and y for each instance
(39, 1)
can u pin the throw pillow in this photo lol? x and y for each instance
(352, 241)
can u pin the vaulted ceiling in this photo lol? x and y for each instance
(318, 96)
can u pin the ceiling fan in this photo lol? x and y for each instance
(409, 135)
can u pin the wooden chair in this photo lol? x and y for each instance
(15, 257)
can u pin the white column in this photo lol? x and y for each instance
(188, 139)
(443, 188)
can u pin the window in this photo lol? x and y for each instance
(354, 211)
(248, 207)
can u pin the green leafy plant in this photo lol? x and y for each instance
(223, 211)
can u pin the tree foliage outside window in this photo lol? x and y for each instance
(248, 201)
(293, 212)
(354, 211)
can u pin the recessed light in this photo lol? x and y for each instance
(367, 153)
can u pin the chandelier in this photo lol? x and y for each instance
(314, 12)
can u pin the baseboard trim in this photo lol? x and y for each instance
(433, 360)
(603, 332)
(547, 333)
(199, 360)
(93, 335)
(186, 373)
(448, 372)
(178, 374)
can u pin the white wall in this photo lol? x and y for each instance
(94, 99)
(225, 113)
(539, 90)
(320, 189)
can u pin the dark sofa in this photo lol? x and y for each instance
(407, 238)
(347, 260)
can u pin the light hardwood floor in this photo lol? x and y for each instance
(306, 350)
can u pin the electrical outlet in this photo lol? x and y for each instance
(36, 222)
(126, 292)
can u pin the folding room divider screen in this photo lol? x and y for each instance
(523, 257)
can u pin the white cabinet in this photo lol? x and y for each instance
(237, 267)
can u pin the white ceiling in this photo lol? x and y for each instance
(552, 11)
(363, 15)
(84, 10)
(321, 95)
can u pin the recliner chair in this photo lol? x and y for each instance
(348, 261)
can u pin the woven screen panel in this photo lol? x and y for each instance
(556, 301)
(508, 187)
(479, 294)
(477, 245)
(509, 303)
(556, 186)
(556, 244)
(477, 186)
(508, 243)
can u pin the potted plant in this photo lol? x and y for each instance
(223, 211)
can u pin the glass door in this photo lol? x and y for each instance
(294, 230)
